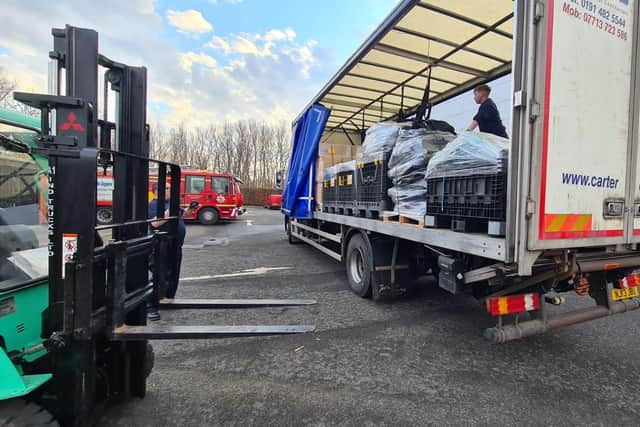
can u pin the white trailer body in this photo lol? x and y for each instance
(584, 145)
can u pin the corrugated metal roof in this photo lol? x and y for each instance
(459, 43)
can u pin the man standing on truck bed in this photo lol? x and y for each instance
(488, 117)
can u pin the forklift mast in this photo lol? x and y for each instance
(95, 324)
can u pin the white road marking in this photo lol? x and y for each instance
(250, 272)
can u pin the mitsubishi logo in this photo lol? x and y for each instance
(71, 123)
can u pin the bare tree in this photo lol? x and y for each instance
(159, 147)
(7, 87)
(254, 151)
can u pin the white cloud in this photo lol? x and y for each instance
(189, 21)
(218, 43)
(243, 46)
(277, 35)
(188, 59)
(17, 46)
(252, 44)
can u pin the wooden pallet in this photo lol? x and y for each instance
(403, 219)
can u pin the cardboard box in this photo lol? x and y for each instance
(329, 160)
(334, 149)
(318, 196)
(319, 168)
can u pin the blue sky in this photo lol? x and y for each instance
(209, 61)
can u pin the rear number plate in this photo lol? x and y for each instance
(619, 294)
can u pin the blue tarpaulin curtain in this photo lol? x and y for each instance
(297, 197)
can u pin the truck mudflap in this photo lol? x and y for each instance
(541, 324)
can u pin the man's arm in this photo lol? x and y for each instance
(160, 222)
(473, 125)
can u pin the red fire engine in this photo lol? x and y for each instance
(218, 195)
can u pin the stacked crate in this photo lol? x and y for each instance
(469, 202)
(329, 190)
(372, 185)
(346, 188)
(330, 155)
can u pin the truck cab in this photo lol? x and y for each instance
(218, 195)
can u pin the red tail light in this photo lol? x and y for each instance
(513, 304)
(631, 281)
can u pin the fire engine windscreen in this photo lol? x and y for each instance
(407, 165)
(471, 153)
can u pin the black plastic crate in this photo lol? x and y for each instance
(346, 188)
(474, 196)
(329, 193)
(372, 185)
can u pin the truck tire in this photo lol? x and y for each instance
(104, 216)
(358, 263)
(208, 216)
(21, 413)
(287, 228)
(149, 360)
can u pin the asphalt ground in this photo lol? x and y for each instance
(419, 361)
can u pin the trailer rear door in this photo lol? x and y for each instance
(583, 143)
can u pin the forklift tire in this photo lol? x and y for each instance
(21, 413)
(104, 216)
(358, 262)
(208, 216)
(149, 360)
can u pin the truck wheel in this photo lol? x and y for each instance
(208, 216)
(358, 264)
(104, 216)
(149, 360)
(21, 413)
(287, 226)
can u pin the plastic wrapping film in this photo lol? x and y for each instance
(328, 173)
(471, 153)
(380, 139)
(409, 199)
(407, 166)
(413, 150)
(345, 166)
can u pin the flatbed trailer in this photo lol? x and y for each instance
(573, 188)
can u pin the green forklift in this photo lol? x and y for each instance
(73, 332)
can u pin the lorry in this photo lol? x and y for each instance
(73, 332)
(572, 195)
(218, 195)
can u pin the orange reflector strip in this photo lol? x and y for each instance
(513, 304)
(611, 266)
(567, 222)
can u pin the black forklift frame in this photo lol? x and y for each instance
(95, 324)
